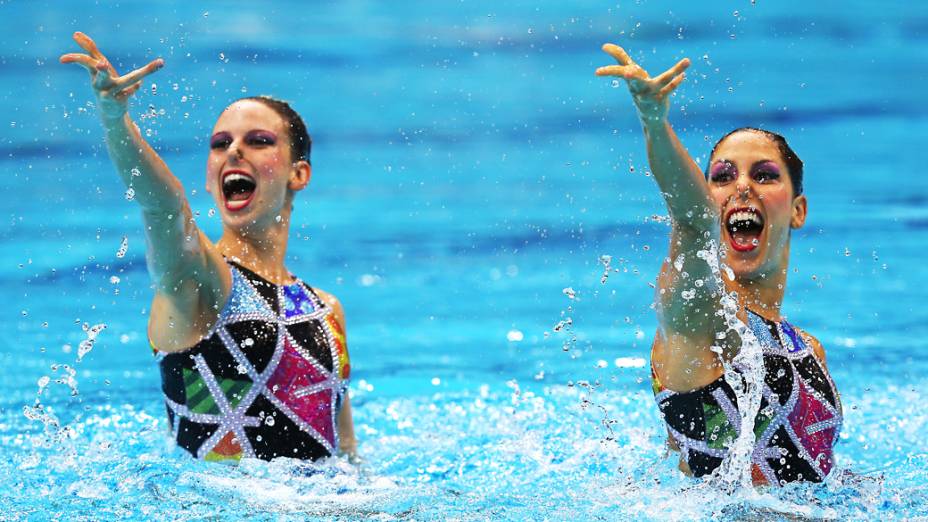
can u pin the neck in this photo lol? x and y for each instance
(263, 250)
(763, 293)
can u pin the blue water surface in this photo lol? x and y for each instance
(467, 169)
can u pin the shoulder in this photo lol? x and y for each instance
(813, 343)
(332, 301)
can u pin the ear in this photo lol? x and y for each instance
(800, 208)
(299, 175)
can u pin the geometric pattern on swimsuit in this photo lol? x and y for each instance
(796, 427)
(267, 381)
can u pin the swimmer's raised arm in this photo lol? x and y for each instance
(183, 263)
(687, 312)
(137, 163)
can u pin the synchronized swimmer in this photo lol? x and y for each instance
(253, 360)
(742, 209)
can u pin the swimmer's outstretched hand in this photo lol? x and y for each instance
(113, 91)
(651, 95)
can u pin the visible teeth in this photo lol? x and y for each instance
(743, 215)
(235, 177)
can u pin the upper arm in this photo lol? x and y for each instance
(192, 284)
(347, 441)
(336, 305)
(689, 302)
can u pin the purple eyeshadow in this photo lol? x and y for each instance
(218, 138)
(768, 166)
(721, 168)
(264, 135)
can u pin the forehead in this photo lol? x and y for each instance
(249, 114)
(748, 147)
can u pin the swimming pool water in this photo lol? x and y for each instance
(468, 169)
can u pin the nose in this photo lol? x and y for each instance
(234, 152)
(743, 188)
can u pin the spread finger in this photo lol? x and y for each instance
(141, 72)
(87, 44)
(673, 72)
(618, 53)
(667, 89)
(615, 70)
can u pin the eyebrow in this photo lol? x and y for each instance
(261, 131)
(758, 163)
(723, 161)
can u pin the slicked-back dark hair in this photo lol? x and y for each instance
(301, 143)
(792, 161)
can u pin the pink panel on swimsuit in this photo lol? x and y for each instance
(295, 373)
(809, 411)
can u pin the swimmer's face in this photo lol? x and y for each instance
(250, 172)
(750, 182)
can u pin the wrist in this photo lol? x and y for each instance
(114, 120)
(653, 123)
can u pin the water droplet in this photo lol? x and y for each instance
(154, 89)
(211, 212)
(123, 247)
(616, 83)
(130, 194)
(135, 172)
(570, 293)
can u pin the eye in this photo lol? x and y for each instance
(261, 139)
(220, 142)
(723, 175)
(766, 175)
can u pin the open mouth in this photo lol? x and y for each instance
(744, 226)
(238, 188)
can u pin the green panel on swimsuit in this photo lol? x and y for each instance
(761, 422)
(718, 425)
(199, 399)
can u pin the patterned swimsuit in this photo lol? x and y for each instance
(267, 381)
(797, 424)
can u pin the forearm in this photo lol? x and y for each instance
(688, 285)
(155, 188)
(680, 180)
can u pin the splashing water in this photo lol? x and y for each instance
(123, 247)
(606, 261)
(53, 430)
(87, 344)
(744, 373)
